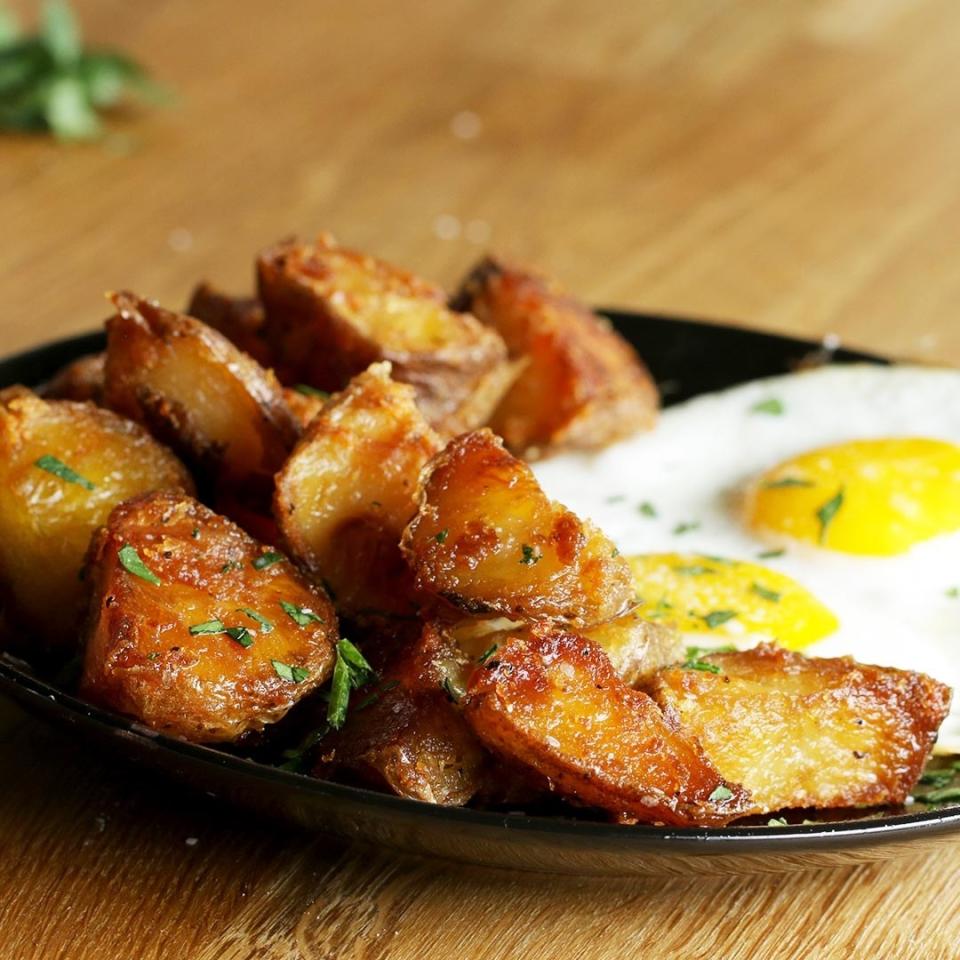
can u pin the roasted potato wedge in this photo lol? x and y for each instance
(637, 648)
(331, 312)
(195, 390)
(195, 628)
(583, 385)
(407, 734)
(552, 701)
(349, 488)
(305, 403)
(487, 539)
(799, 732)
(63, 467)
(239, 319)
(81, 380)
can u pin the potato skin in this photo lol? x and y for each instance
(331, 312)
(195, 390)
(807, 732)
(487, 539)
(552, 701)
(239, 319)
(348, 490)
(81, 380)
(637, 647)
(412, 739)
(46, 522)
(583, 387)
(142, 660)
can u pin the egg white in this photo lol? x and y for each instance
(893, 611)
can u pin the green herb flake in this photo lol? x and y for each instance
(772, 406)
(777, 822)
(196, 533)
(451, 689)
(786, 482)
(720, 794)
(953, 593)
(530, 555)
(828, 512)
(208, 626)
(766, 593)
(267, 559)
(441, 537)
(360, 671)
(287, 672)
(153, 655)
(937, 778)
(717, 618)
(944, 795)
(308, 391)
(647, 509)
(771, 554)
(488, 653)
(614, 552)
(700, 665)
(688, 527)
(230, 566)
(615, 498)
(59, 469)
(131, 562)
(265, 625)
(339, 693)
(694, 570)
(301, 616)
(243, 636)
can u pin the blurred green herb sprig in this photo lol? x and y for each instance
(49, 82)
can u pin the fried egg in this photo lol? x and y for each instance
(820, 510)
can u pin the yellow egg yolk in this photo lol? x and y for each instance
(873, 497)
(728, 599)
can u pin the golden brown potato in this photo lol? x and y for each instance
(583, 385)
(637, 648)
(305, 403)
(406, 733)
(195, 390)
(195, 628)
(81, 380)
(800, 732)
(63, 467)
(487, 539)
(348, 490)
(552, 701)
(331, 312)
(239, 319)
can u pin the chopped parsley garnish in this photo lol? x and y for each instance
(717, 618)
(771, 554)
(231, 565)
(451, 689)
(308, 391)
(442, 535)
(265, 625)
(267, 559)
(301, 616)
(208, 626)
(488, 653)
(694, 570)
(132, 563)
(944, 795)
(243, 637)
(777, 822)
(153, 655)
(766, 593)
(953, 593)
(614, 552)
(720, 794)
(937, 778)
(647, 509)
(196, 533)
(785, 482)
(772, 406)
(351, 670)
(694, 658)
(290, 673)
(681, 528)
(701, 665)
(59, 469)
(828, 512)
(530, 554)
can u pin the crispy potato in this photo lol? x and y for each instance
(406, 733)
(81, 380)
(195, 390)
(304, 403)
(348, 490)
(583, 386)
(239, 319)
(47, 514)
(637, 648)
(145, 655)
(552, 701)
(800, 732)
(487, 539)
(331, 312)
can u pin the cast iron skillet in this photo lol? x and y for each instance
(687, 358)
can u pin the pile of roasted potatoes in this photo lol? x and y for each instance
(302, 525)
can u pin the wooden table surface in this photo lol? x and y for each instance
(794, 165)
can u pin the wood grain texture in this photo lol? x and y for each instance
(793, 165)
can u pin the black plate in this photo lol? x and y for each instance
(687, 358)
